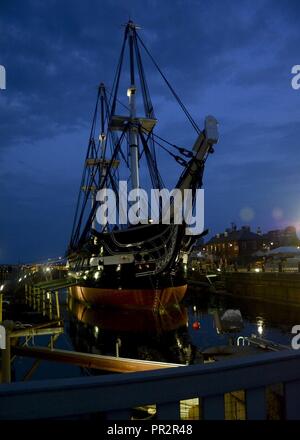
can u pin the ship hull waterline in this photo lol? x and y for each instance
(150, 299)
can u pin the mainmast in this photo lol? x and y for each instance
(133, 131)
(132, 123)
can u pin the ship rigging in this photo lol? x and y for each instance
(125, 265)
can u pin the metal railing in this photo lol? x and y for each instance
(114, 396)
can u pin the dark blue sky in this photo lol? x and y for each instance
(231, 58)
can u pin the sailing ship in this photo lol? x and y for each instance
(125, 265)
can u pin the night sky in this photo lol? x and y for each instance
(231, 59)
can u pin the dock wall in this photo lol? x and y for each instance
(275, 287)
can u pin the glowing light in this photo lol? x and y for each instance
(271, 243)
(118, 268)
(97, 274)
(1, 287)
(179, 343)
(48, 269)
(257, 269)
(193, 268)
(20, 279)
(260, 329)
(96, 331)
(219, 270)
(260, 326)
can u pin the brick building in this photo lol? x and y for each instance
(239, 245)
(234, 244)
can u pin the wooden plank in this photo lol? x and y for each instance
(256, 404)
(31, 331)
(106, 363)
(213, 408)
(57, 305)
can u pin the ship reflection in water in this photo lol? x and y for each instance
(181, 334)
(141, 334)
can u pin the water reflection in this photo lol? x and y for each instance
(260, 325)
(171, 336)
(130, 320)
(138, 334)
(268, 320)
(182, 334)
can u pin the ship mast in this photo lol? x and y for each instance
(102, 139)
(133, 131)
(137, 139)
(102, 135)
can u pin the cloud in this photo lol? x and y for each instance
(230, 58)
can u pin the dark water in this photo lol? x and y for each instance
(168, 336)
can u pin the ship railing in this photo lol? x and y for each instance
(248, 379)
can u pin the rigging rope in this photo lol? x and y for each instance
(103, 183)
(183, 151)
(84, 171)
(189, 117)
(89, 177)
